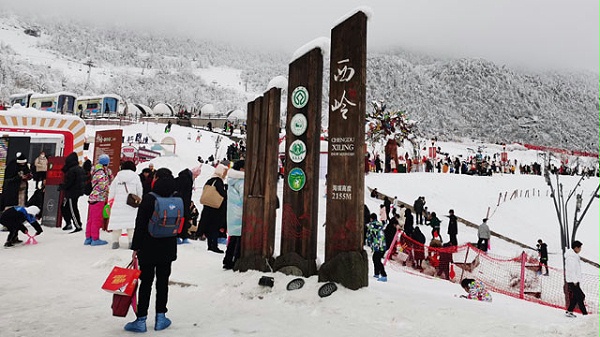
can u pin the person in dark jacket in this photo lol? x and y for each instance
(453, 228)
(72, 187)
(418, 248)
(390, 232)
(542, 249)
(435, 224)
(183, 185)
(14, 218)
(146, 179)
(418, 207)
(366, 219)
(155, 256)
(408, 222)
(16, 176)
(213, 220)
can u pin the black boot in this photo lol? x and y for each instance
(67, 227)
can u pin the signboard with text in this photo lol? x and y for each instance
(109, 142)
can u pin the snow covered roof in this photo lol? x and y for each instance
(144, 109)
(53, 95)
(81, 98)
(237, 114)
(21, 94)
(163, 109)
(207, 109)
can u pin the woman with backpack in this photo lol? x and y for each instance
(155, 255)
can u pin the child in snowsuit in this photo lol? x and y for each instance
(376, 240)
(14, 218)
(476, 290)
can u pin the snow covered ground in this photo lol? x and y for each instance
(53, 288)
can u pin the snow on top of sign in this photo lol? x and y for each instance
(322, 43)
(18, 111)
(365, 9)
(278, 82)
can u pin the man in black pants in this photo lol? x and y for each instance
(72, 187)
(573, 277)
(543, 250)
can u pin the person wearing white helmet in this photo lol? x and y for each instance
(14, 218)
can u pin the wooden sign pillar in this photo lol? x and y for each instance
(260, 183)
(301, 183)
(346, 261)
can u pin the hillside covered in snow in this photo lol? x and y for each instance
(449, 98)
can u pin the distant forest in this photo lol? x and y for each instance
(448, 98)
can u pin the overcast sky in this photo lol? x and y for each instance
(546, 33)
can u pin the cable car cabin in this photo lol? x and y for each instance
(60, 102)
(21, 99)
(102, 106)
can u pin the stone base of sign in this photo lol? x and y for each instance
(254, 262)
(350, 269)
(291, 262)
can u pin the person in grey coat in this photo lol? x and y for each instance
(484, 235)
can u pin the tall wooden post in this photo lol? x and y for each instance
(346, 261)
(260, 183)
(301, 186)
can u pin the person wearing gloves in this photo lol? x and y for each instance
(101, 178)
(14, 219)
(122, 216)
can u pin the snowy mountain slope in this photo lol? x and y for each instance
(450, 99)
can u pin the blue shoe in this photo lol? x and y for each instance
(87, 242)
(179, 241)
(185, 241)
(162, 322)
(139, 325)
(382, 279)
(98, 242)
(376, 276)
(222, 241)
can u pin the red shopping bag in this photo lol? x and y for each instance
(122, 281)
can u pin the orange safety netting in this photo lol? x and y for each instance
(519, 276)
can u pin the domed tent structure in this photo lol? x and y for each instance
(163, 109)
(236, 115)
(207, 110)
(144, 109)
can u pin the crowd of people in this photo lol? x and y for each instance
(111, 209)
(478, 164)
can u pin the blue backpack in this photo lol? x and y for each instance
(167, 218)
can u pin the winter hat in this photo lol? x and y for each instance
(33, 210)
(21, 159)
(104, 159)
(196, 171)
(220, 171)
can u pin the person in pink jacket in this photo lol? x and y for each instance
(101, 178)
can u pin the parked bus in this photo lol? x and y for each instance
(101, 106)
(60, 102)
(21, 99)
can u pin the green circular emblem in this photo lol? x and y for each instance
(297, 151)
(299, 97)
(299, 124)
(296, 179)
